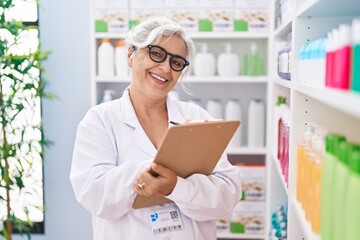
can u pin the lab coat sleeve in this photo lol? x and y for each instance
(205, 198)
(102, 187)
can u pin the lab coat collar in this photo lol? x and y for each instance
(129, 117)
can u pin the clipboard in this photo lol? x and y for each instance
(191, 148)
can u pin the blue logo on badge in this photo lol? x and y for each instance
(154, 217)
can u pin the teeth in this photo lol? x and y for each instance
(158, 77)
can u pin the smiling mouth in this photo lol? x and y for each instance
(159, 78)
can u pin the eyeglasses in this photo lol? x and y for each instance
(159, 54)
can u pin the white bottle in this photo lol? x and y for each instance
(228, 63)
(256, 123)
(106, 64)
(108, 95)
(214, 107)
(204, 62)
(121, 67)
(233, 112)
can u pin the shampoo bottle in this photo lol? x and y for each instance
(121, 67)
(233, 112)
(214, 107)
(332, 142)
(204, 62)
(256, 123)
(253, 62)
(355, 82)
(106, 65)
(341, 174)
(228, 62)
(344, 56)
(108, 95)
(351, 204)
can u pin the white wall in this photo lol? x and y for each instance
(64, 30)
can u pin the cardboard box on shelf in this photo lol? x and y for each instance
(253, 182)
(248, 218)
(251, 16)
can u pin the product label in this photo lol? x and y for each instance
(165, 220)
(248, 218)
(188, 19)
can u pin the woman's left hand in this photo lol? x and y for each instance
(148, 185)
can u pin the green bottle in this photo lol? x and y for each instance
(332, 142)
(355, 80)
(352, 202)
(253, 62)
(341, 174)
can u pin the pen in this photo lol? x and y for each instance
(174, 123)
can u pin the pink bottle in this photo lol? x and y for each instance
(343, 57)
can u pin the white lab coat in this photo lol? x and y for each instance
(111, 149)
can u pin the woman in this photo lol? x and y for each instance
(117, 141)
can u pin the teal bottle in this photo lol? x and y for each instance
(332, 142)
(352, 202)
(355, 79)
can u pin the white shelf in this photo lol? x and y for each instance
(283, 83)
(229, 35)
(197, 79)
(246, 151)
(279, 173)
(283, 29)
(234, 79)
(324, 8)
(305, 225)
(201, 35)
(343, 100)
(238, 236)
(110, 35)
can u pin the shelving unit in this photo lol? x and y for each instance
(241, 87)
(335, 110)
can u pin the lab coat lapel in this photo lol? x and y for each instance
(174, 111)
(139, 137)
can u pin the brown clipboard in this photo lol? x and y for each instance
(189, 149)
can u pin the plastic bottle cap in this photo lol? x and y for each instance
(355, 30)
(332, 143)
(228, 48)
(345, 35)
(106, 40)
(204, 48)
(120, 43)
(253, 48)
(354, 160)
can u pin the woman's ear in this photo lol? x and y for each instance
(130, 56)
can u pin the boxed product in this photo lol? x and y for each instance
(216, 15)
(248, 218)
(111, 16)
(141, 10)
(251, 15)
(185, 12)
(253, 182)
(223, 225)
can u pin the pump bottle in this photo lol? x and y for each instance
(204, 62)
(106, 65)
(228, 62)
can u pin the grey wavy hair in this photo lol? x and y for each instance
(153, 29)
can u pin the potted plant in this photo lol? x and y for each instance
(21, 134)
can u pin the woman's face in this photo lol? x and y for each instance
(155, 79)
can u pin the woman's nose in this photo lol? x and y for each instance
(165, 65)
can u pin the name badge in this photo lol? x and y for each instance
(165, 220)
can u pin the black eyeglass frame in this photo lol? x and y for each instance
(172, 56)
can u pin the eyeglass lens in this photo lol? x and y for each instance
(158, 54)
